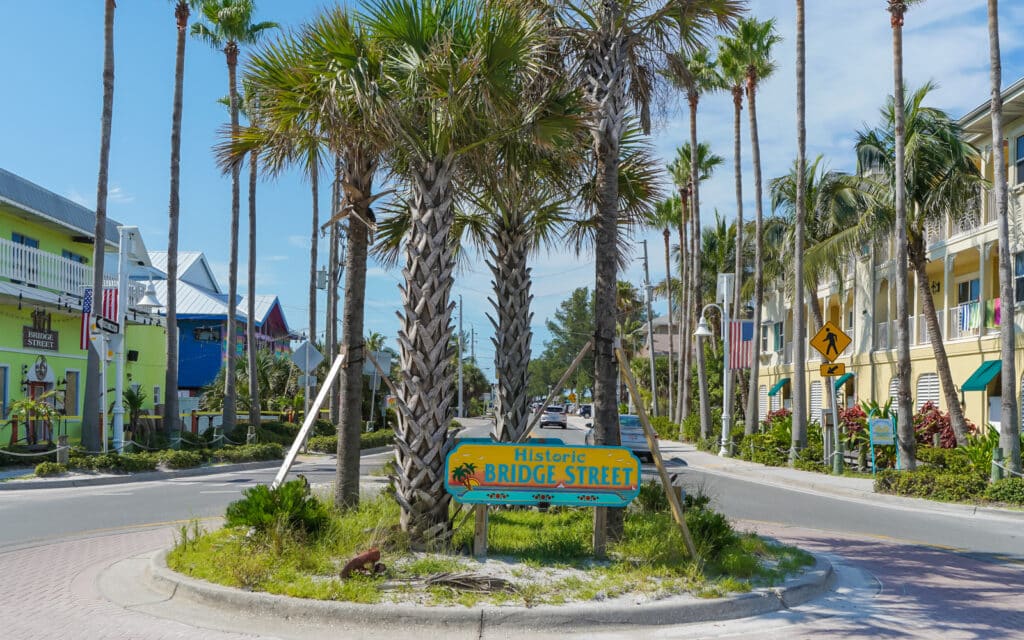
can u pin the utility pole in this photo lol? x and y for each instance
(472, 343)
(461, 414)
(650, 333)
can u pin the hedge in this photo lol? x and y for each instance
(371, 440)
(929, 482)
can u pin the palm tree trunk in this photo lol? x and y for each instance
(737, 299)
(1009, 427)
(171, 419)
(683, 384)
(358, 171)
(799, 433)
(702, 374)
(332, 290)
(92, 439)
(314, 236)
(753, 401)
(250, 311)
(905, 425)
(512, 330)
(812, 302)
(424, 339)
(919, 262)
(671, 347)
(229, 420)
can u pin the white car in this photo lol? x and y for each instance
(555, 415)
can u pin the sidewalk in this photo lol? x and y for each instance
(844, 487)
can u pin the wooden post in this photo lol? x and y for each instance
(480, 531)
(601, 531)
(652, 442)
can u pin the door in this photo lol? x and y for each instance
(38, 428)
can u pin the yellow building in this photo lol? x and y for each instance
(963, 280)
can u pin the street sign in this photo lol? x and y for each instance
(881, 431)
(833, 370)
(581, 476)
(108, 326)
(383, 358)
(830, 341)
(306, 357)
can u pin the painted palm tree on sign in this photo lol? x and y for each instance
(941, 181)
(752, 47)
(697, 75)
(182, 10)
(228, 25)
(679, 170)
(91, 429)
(1009, 429)
(449, 70)
(897, 11)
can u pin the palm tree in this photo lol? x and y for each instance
(228, 25)
(799, 431)
(696, 74)
(679, 170)
(942, 181)
(752, 47)
(461, 60)
(904, 402)
(91, 438)
(1009, 430)
(182, 9)
(668, 215)
(312, 90)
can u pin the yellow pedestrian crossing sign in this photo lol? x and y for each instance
(830, 341)
(834, 370)
(572, 397)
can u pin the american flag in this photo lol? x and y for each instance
(109, 311)
(741, 344)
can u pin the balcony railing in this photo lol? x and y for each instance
(966, 320)
(787, 353)
(43, 270)
(882, 336)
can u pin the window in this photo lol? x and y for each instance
(4, 371)
(849, 322)
(968, 291)
(73, 257)
(764, 338)
(71, 392)
(156, 396)
(18, 238)
(1020, 160)
(1018, 277)
(779, 336)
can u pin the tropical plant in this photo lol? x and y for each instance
(228, 24)
(90, 408)
(461, 59)
(941, 181)
(133, 400)
(752, 47)
(1009, 426)
(668, 215)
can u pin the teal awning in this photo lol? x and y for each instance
(842, 380)
(778, 385)
(983, 375)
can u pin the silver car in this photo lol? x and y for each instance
(632, 434)
(555, 415)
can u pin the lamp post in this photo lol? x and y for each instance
(703, 331)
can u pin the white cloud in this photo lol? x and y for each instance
(116, 194)
(299, 242)
(76, 196)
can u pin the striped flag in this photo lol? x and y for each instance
(108, 309)
(741, 344)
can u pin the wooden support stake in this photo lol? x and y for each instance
(600, 532)
(556, 390)
(652, 442)
(480, 531)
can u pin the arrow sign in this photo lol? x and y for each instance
(833, 370)
(107, 325)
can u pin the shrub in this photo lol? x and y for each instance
(1010, 490)
(931, 483)
(691, 427)
(979, 450)
(652, 498)
(952, 460)
(45, 469)
(181, 459)
(374, 439)
(251, 452)
(134, 462)
(929, 422)
(323, 444)
(321, 428)
(291, 503)
(711, 531)
(665, 428)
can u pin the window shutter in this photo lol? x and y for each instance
(762, 400)
(815, 401)
(927, 390)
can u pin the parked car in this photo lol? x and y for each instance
(632, 436)
(585, 410)
(555, 415)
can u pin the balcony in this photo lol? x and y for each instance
(882, 342)
(42, 270)
(966, 321)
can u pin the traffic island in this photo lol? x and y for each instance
(541, 570)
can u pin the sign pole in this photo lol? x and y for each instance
(837, 445)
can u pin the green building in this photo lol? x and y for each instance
(46, 247)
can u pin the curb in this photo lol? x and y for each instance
(677, 610)
(147, 476)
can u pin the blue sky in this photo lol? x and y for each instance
(49, 127)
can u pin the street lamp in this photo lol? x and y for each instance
(703, 331)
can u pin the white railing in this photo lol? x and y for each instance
(848, 351)
(787, 353)
(882, 336)
(37, 268)
(966, 320)
(810, 352)
(923, 337)
(970, 220)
